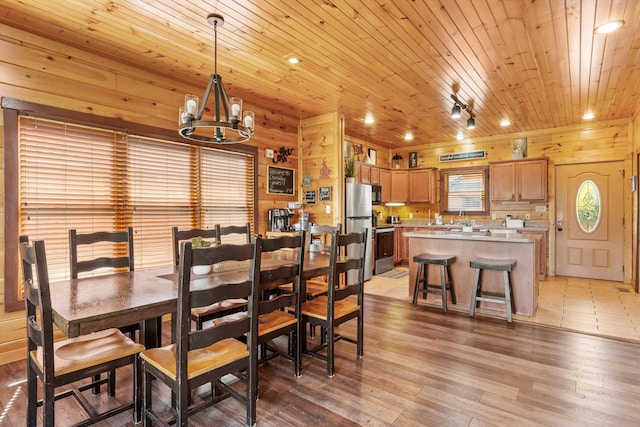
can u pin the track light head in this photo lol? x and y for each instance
(458, 106)
(455, 112)
(471, 123)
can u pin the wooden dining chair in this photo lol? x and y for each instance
(200, 315)
(70, 360)
(204, 356)
(234, 233)
(108, 250)
(318, 241)
(331, 310)
(280, 311)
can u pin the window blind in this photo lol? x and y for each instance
(464, 190)
(90, 179)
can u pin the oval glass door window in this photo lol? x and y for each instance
(588, 206)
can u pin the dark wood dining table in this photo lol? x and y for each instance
(90, 304)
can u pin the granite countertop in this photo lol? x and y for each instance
(495, 235)
(481, 225)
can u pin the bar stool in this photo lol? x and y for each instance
(477, 295)
(446, 282)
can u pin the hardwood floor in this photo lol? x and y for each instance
(423, 367)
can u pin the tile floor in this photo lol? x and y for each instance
(597, 307)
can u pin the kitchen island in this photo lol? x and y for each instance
(466, 246)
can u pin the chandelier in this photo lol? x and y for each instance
(229, 125)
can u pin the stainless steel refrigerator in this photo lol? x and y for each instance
(358, 209)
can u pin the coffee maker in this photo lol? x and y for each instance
(280, 220)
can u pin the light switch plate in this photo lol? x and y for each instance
(493, 216)
(268, 153)
(527, 216)
(541, 208)
(327, 209)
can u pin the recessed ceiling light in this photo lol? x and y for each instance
(408, 136)
(589, 115)
(609, 27)
(460, 136)
(293, 61)
(505, 122)
(368, 119)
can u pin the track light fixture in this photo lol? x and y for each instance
(456, 111)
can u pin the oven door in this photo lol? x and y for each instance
(384, 249)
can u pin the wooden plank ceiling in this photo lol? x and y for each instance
(537, 63)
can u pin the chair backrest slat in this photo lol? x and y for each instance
(122, 244)
(237, 233)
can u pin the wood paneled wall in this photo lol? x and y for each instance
(38, 70)
(321, 165)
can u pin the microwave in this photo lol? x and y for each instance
(376, 195)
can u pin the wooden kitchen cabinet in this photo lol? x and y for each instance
(363, 173)
(385, 183)
(375, 175)
(518, 181)
(542, 251)
(422, 185)
(399, 186)
(398, 247)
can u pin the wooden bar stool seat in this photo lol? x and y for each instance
(446, 282)
(478, 295)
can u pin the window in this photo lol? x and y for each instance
(62, 175)
(464, 190)
(588, 206)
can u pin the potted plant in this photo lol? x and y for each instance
(350, 169)
(199, 242)
(467, 225)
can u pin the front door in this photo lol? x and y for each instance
(590, 214)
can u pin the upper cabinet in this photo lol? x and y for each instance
(518, 181)
(399, 185)
(385, 184)
(363, 173)
(422, 185)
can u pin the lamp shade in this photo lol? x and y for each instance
(396, 161)
(455, 111)
(471, 123)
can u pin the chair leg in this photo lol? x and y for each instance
(182, 405)
(48, 404)
(507, 295)
(147, 405)
(32, 394)
(443, 285)
(137, 389)
(451, 286)
(416, 289)
(330, 333)
(111, 382)
(360, 332)
(96, 388)
(474, 292)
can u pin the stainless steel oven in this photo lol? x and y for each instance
(383, 250)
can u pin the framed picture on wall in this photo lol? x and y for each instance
(413, 159)
(372, 156)
(519, 148)
(325, 194)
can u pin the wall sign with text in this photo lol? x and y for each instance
(280, 180)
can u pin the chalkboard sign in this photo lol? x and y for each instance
(310, 196)
(280, 180)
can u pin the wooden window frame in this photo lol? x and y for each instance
(461, 171)
(12, 110)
